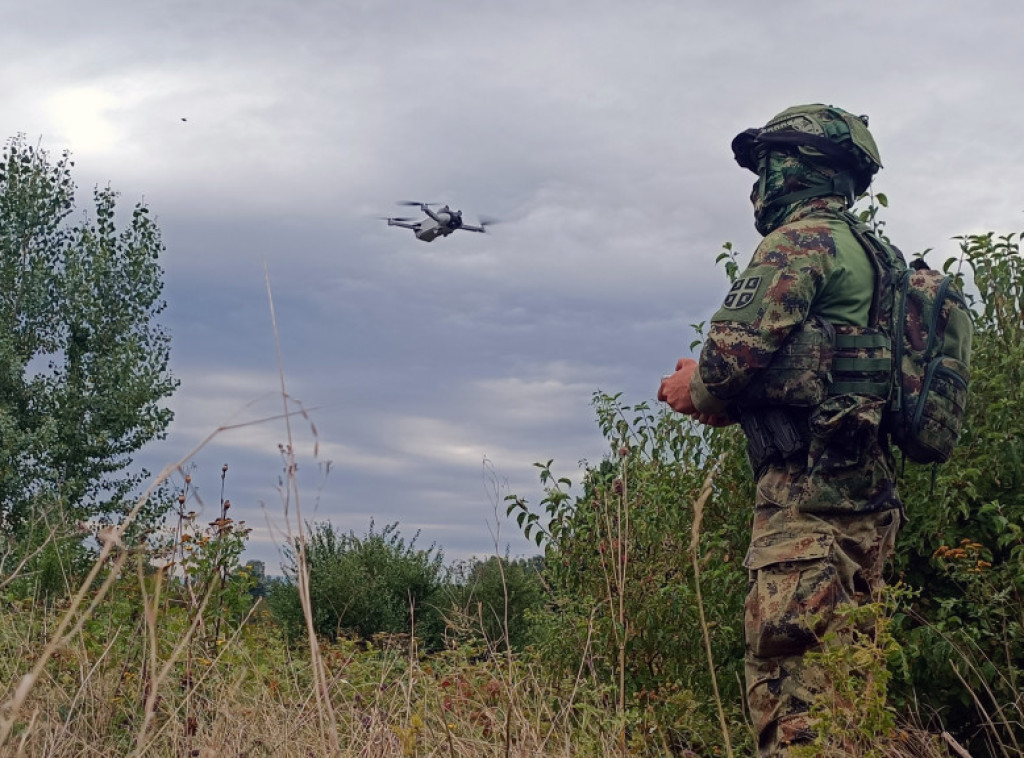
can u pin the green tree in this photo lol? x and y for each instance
(83, 363)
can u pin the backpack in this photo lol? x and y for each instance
(929, 327)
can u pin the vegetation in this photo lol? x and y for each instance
(623, 638)
(363, 587)
(963, 549)
(83, 364)
(493, 603)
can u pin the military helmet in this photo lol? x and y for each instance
(821, 132)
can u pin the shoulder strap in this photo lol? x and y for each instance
(886, 260)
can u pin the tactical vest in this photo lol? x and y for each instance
(863, 359)
(914, 352)
(819, 358)
(801, 373)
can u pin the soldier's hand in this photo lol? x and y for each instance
(713, 419)
(675, 388)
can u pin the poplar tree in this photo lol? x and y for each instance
(83, 362)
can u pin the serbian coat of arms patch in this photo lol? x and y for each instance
(742, 292)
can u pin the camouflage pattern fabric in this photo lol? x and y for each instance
(826, 518)
(802, 567)
(787, 173)
(936, 372)
(809, 270)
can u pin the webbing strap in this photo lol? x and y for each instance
(882, 258)
(857, 341)
(861, 364)
(879, 389)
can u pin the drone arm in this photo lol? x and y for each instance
(403, 224)
(471, 228)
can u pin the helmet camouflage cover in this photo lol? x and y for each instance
(823, 133)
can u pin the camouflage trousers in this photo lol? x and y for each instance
(802, 567)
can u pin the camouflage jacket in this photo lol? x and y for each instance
(807, 279)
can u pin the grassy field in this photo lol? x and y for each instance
(139, 664)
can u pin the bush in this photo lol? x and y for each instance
(618, 560)
(496, 601)
(964, 544)
(363, 587)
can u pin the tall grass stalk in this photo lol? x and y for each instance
(298, 538)
(698, 517)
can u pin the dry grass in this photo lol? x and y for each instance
(124, 668)
(101, 694)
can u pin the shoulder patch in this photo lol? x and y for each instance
(742, 293)
(745, 299)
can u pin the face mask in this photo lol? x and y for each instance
(784, 173)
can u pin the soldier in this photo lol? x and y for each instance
(826, 511)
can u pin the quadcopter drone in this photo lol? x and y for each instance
(439, 223)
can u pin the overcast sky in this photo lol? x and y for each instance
(268, 136)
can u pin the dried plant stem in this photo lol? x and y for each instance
(698, 516)
(955, 746)
(614, 566)
(158, 681)
(111, 539)
(323, 695)
(141, 740)
(10, 576)
(28, 731)
(567, 706)
(621, 566)
(13, 707)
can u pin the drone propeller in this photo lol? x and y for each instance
(395, 218)
(414, 202)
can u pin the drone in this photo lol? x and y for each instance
(438, 223)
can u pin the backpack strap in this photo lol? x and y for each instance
(886, 261)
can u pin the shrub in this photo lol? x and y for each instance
(496, 600)
(618, 560)
(964, 544)
(377, 584)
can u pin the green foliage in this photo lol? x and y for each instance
(856, 718)
(623, 592)
(618, 562)
(964, 545)
(83, 366)
(377, 584)
(496, 601)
